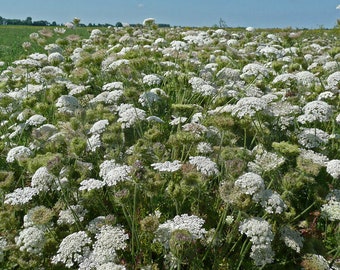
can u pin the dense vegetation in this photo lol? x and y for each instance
(178, 148)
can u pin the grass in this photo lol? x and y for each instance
(13, 36)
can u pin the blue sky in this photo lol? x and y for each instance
(256, 13)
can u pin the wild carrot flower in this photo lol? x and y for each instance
(193, 224)
(292, 238)
(43, 180)
(333, 168)
(331, 209)
(73, 249)
(18, 153)
(248, 106)
(31, 239)
(250, 183)
(91, 184)
(21, 195)
(315, 111)
(313, 137)
(3, 244)
(167, 166)
(204, 165)
(261, 236)
(73, 214)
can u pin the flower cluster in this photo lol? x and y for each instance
(261, 236)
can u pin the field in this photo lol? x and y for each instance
(169, 148)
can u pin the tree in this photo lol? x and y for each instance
(222, 23)
(28, 21)
(119, 24)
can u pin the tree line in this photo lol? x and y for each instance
(29, 21)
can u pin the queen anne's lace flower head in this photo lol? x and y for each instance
(18, 153)
(73, 249)
(43, 180)
(167, 166)
(3, 244)
(193, 224)
(313, 137)
(204, 164)
(72, 215)
(129, 115)
(91, 184)
(333, 168)
(99, 126)
(35, 120)
(316, 111)
(250, 183)
(31, 239)
(261, 236)
(21, 195)
(67, 104)
(292, 238)
(331, 209)
(248, 106)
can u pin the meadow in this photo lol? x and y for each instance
(169, 148)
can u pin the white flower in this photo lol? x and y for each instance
(3, 244)
(270, 201)
(193, 224)
(254, 69)
(95, 33)
(204, 148)
(21, 195)
(35, 120)
(305, 78)
(67, 104)
(108, 241)
(205, 165)
(117, 174)
(148, 99)
(179, 45)
(178, 120)
(42, 180)
(113, 86)
(331, 209)
(94, 142)
(106, 97)
(17, 153)
(250, 183)
(148, 21)
(152, 80)
(292, 238)
(248, 106)
(55, 58)
(333, 168)
(99, 126)
(90, 184)
(261, 236)
(202, 87)
(333, 81)
(313, 137)
(167, 166)
(265, 162)
(111, 266)
(27, 63)
(317, 158)
(129, 115)
(106, 166)
(316, 111)
(31, 239)
(73, 249)
(74, 214)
